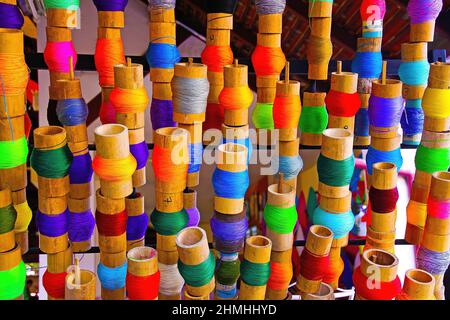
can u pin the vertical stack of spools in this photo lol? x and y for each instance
(434, 251)
(13, 139)
(162, 54)
(114, 165)
(108, 50)
(170, 161)
(216, 55)
(335, 168)
(367, 62)
(268, 60)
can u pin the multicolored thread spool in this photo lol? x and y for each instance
(137, 221)
(281, 273)
(423, 16)
(319, 49)
(313, 118)
(112, 272)
(8, 217)
(143, 276)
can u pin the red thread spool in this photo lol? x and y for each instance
(313, 267)
(143, 276)
(280, 275)
(216, 57)
(383, 201)
(108, 53)
(214, 116)
(268, 61)
(379, 291)
(143, 288)
(54, 284)
(341, 104)
(111, 225)
(165, 168)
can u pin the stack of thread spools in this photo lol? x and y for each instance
(385, 110)
(268, 60)
(109, 50)
(143, 276)
(418, 285)
(229, 223)
(162, 54)
(432, 154)
(13, 139)
(376, 278)
(280, 217)
(51, 159)
(434, 252)
(130, 100)
(216, 55)
(335, 168)
(170, 163)
(367, 62)
(314, 261)
(114, 165)
(62, 16)
(190, 89)
(72, 112)
(383, 196)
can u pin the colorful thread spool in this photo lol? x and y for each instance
(143, 276)
(227, 274)
(190, 205)
(112, 272)
(55, 275)
(171, 282)
(81, 224)
(238, 135)
(313, 119)
(12, 275)
(137, 221)
(423, 15)
(8, 217)
(281, 273)
(111, 13)
(418, 285)
(290, 163)
(13, 18)
(335, 268)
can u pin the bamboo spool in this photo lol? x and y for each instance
(414, 52)
(320, 27)
(7, 239)
(318, 243)
(169, 202)
(337, 144)
(9, 260)
(257, 250)
(79, 206)
(336, 205)
(219, 20)
(384, 222)
(313, 99)
(368, 44)
(364, 98)
(12, 105)
(56, 34)
(281, 197)
(14, 178)
(162, 32)
(167, 258)
(193, 71)
(63, 17)
(113, 260)
(142, 262)
(288, 88)
(192, 246)
(136, 136)
(12, 129)
(80, 284)
(218, 37)
(111, 19)
(162, 91)
(172, 138)
(11, 41)
(161, 15)
(418, 285)
(19, 197)
(435, 242)
(290, 149)
(236, 75)
(267, 83)
(81, 190)
(432, 139)
(320, 9)
(135, 207)
(325, 292)
(381, 263)
(112, 143)
(422, 32)
(440, 191)
(109, 206)
(384, 176)
(413, 233)
(60, 261)
(188, 296)
(284, 257)
(231, 157)
(270, 23)
(380, 240)
(166, 243)
(439, 79)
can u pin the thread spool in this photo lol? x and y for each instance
(313, 100)
(231, 157)
(80, 284)
(279, 257)
(414, 52)
(280, 196)
(192, 246)
(10, 260)
(290, 149)
(143, 262)
(380, 262)
(112, 144)
(318, 69)
(7, 239)
(137, 137)
(135, 207)
(320, 9)
(439, 75)
(257, 250)
(19, 198)
(325, 292)
(422, 29)
(161, 14)
(235, 76)
(195, 137)
(56, 34)
(113, 260)
(62, 17)
(439, 79)
(162, 32)
(111, 19)
(337, 144)
(345, 82)
(77, 206)
(418, 285)
(318, 244)
(58, 263)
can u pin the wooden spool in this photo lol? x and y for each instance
(79, 206)
(384, 222)
(384, 176)
(142, 262)
(135, 207)
(192, 246)
(440, 191)
(55, 34)
(318, 243)
(80, 286)
(111, 19)
(325, 292)
(81, 190)
(435, 242)
(290, 149)
(161, 15)
(62, 18)
(380, 240)
(281, 198)
(316, 99)
(413, 233)
(136, 136)
(173, 138)
(439, 79)
(218, 37)
(364, 88)
(113, 260)
(414, 52)
(257, 250)
(168, 202)
(112, 143)
(188, 296)
(166, 243)
(270, 23)
(231, 157)
(368, 44)
(336, 205)
(7, 239)
(194, 71)
(162, 32)
(320, 27)
(59, 262)
(236, 75)
(320, 9)
(418, 285)
(14, 106)
(109, 206)
(284, 257)
(162, 91)
(346, 82)
(380, 263)
(195, 136)
(168, 258)
(422, 32)
(12, 129)
(337, 144)
(19, 197)
(219, 20)
(9, 260)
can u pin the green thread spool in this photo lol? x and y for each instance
(280, 220)
(8, 216)
(169, 223)
(62, 4)
(228, 271)
(255, 274)
(12, 282)
(336, 173)
(431, 160)
(313, 119)
(200, 274)
(51, 163)
(262, 116)
(13, 153)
